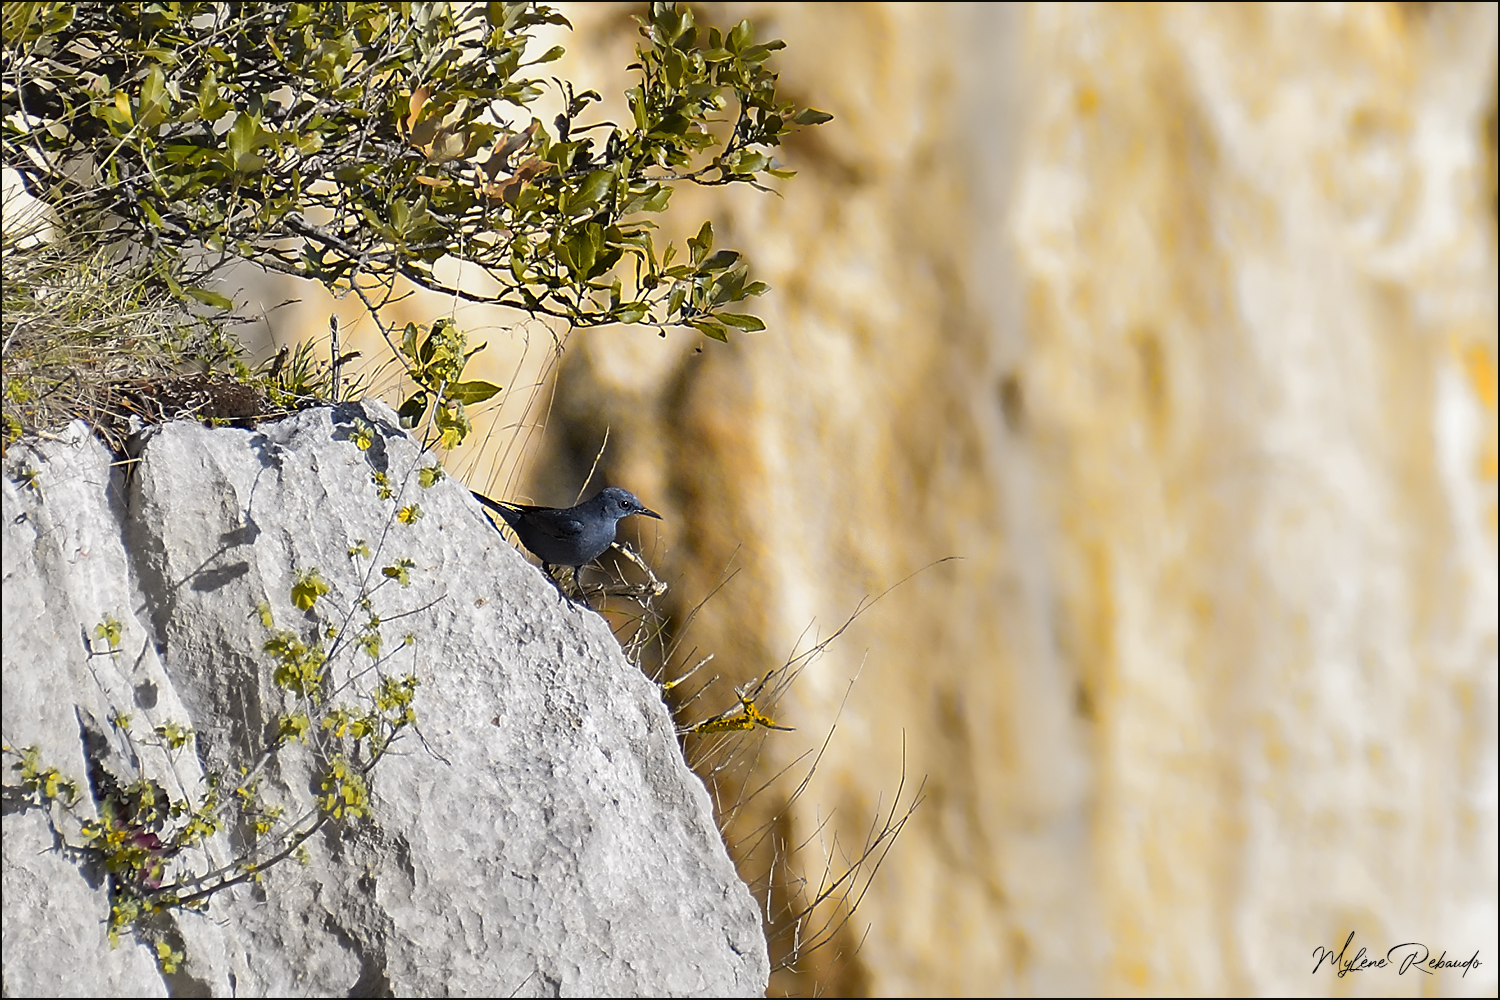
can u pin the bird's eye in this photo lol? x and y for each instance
(624, 503)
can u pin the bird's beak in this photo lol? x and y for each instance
(649, 513)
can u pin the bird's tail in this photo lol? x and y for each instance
(510, 513)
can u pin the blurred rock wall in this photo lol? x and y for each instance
(1178, 326)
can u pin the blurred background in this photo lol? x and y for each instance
(1177, 326)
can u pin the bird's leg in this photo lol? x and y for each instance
(547, 572)
(583, 597)
(557, 584)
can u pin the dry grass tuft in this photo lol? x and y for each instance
(84, 336)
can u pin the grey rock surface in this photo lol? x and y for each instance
(540, 836)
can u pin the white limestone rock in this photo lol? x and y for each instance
(540, 837)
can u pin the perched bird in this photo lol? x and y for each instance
(569, 536)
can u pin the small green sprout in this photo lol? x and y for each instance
(309, 587)
(109, 629)
(299, 668)
(400, 572)
(345, 792)
(364, 435)
(176, 736)
(46, 782)
(292, 727)
(168, 959)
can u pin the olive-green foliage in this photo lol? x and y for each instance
(436, 360)
(353, 143)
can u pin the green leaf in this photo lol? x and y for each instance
(741, 320)
(209, 298)
(760, 53)
(721, 261)
(122, 105)
(411, 411)
(751, 162)
(709, 329)
(309, 587)
(109, 629)
(580, 251)
(807, 116)
(155, 102)
(208, 97)
(593, 189)
(636, 97)
(470, 393)
(741, 36)
(243, 139)
(453, 425)
(698, 246)
(631, 312)
(409, 341)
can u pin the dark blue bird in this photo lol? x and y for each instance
(569, 536)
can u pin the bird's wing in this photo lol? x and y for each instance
(549, 521)
(557, 523)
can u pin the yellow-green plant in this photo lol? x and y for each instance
(145, 836)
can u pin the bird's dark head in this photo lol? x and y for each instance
(620, 503)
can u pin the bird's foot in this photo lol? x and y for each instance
(582, 598)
